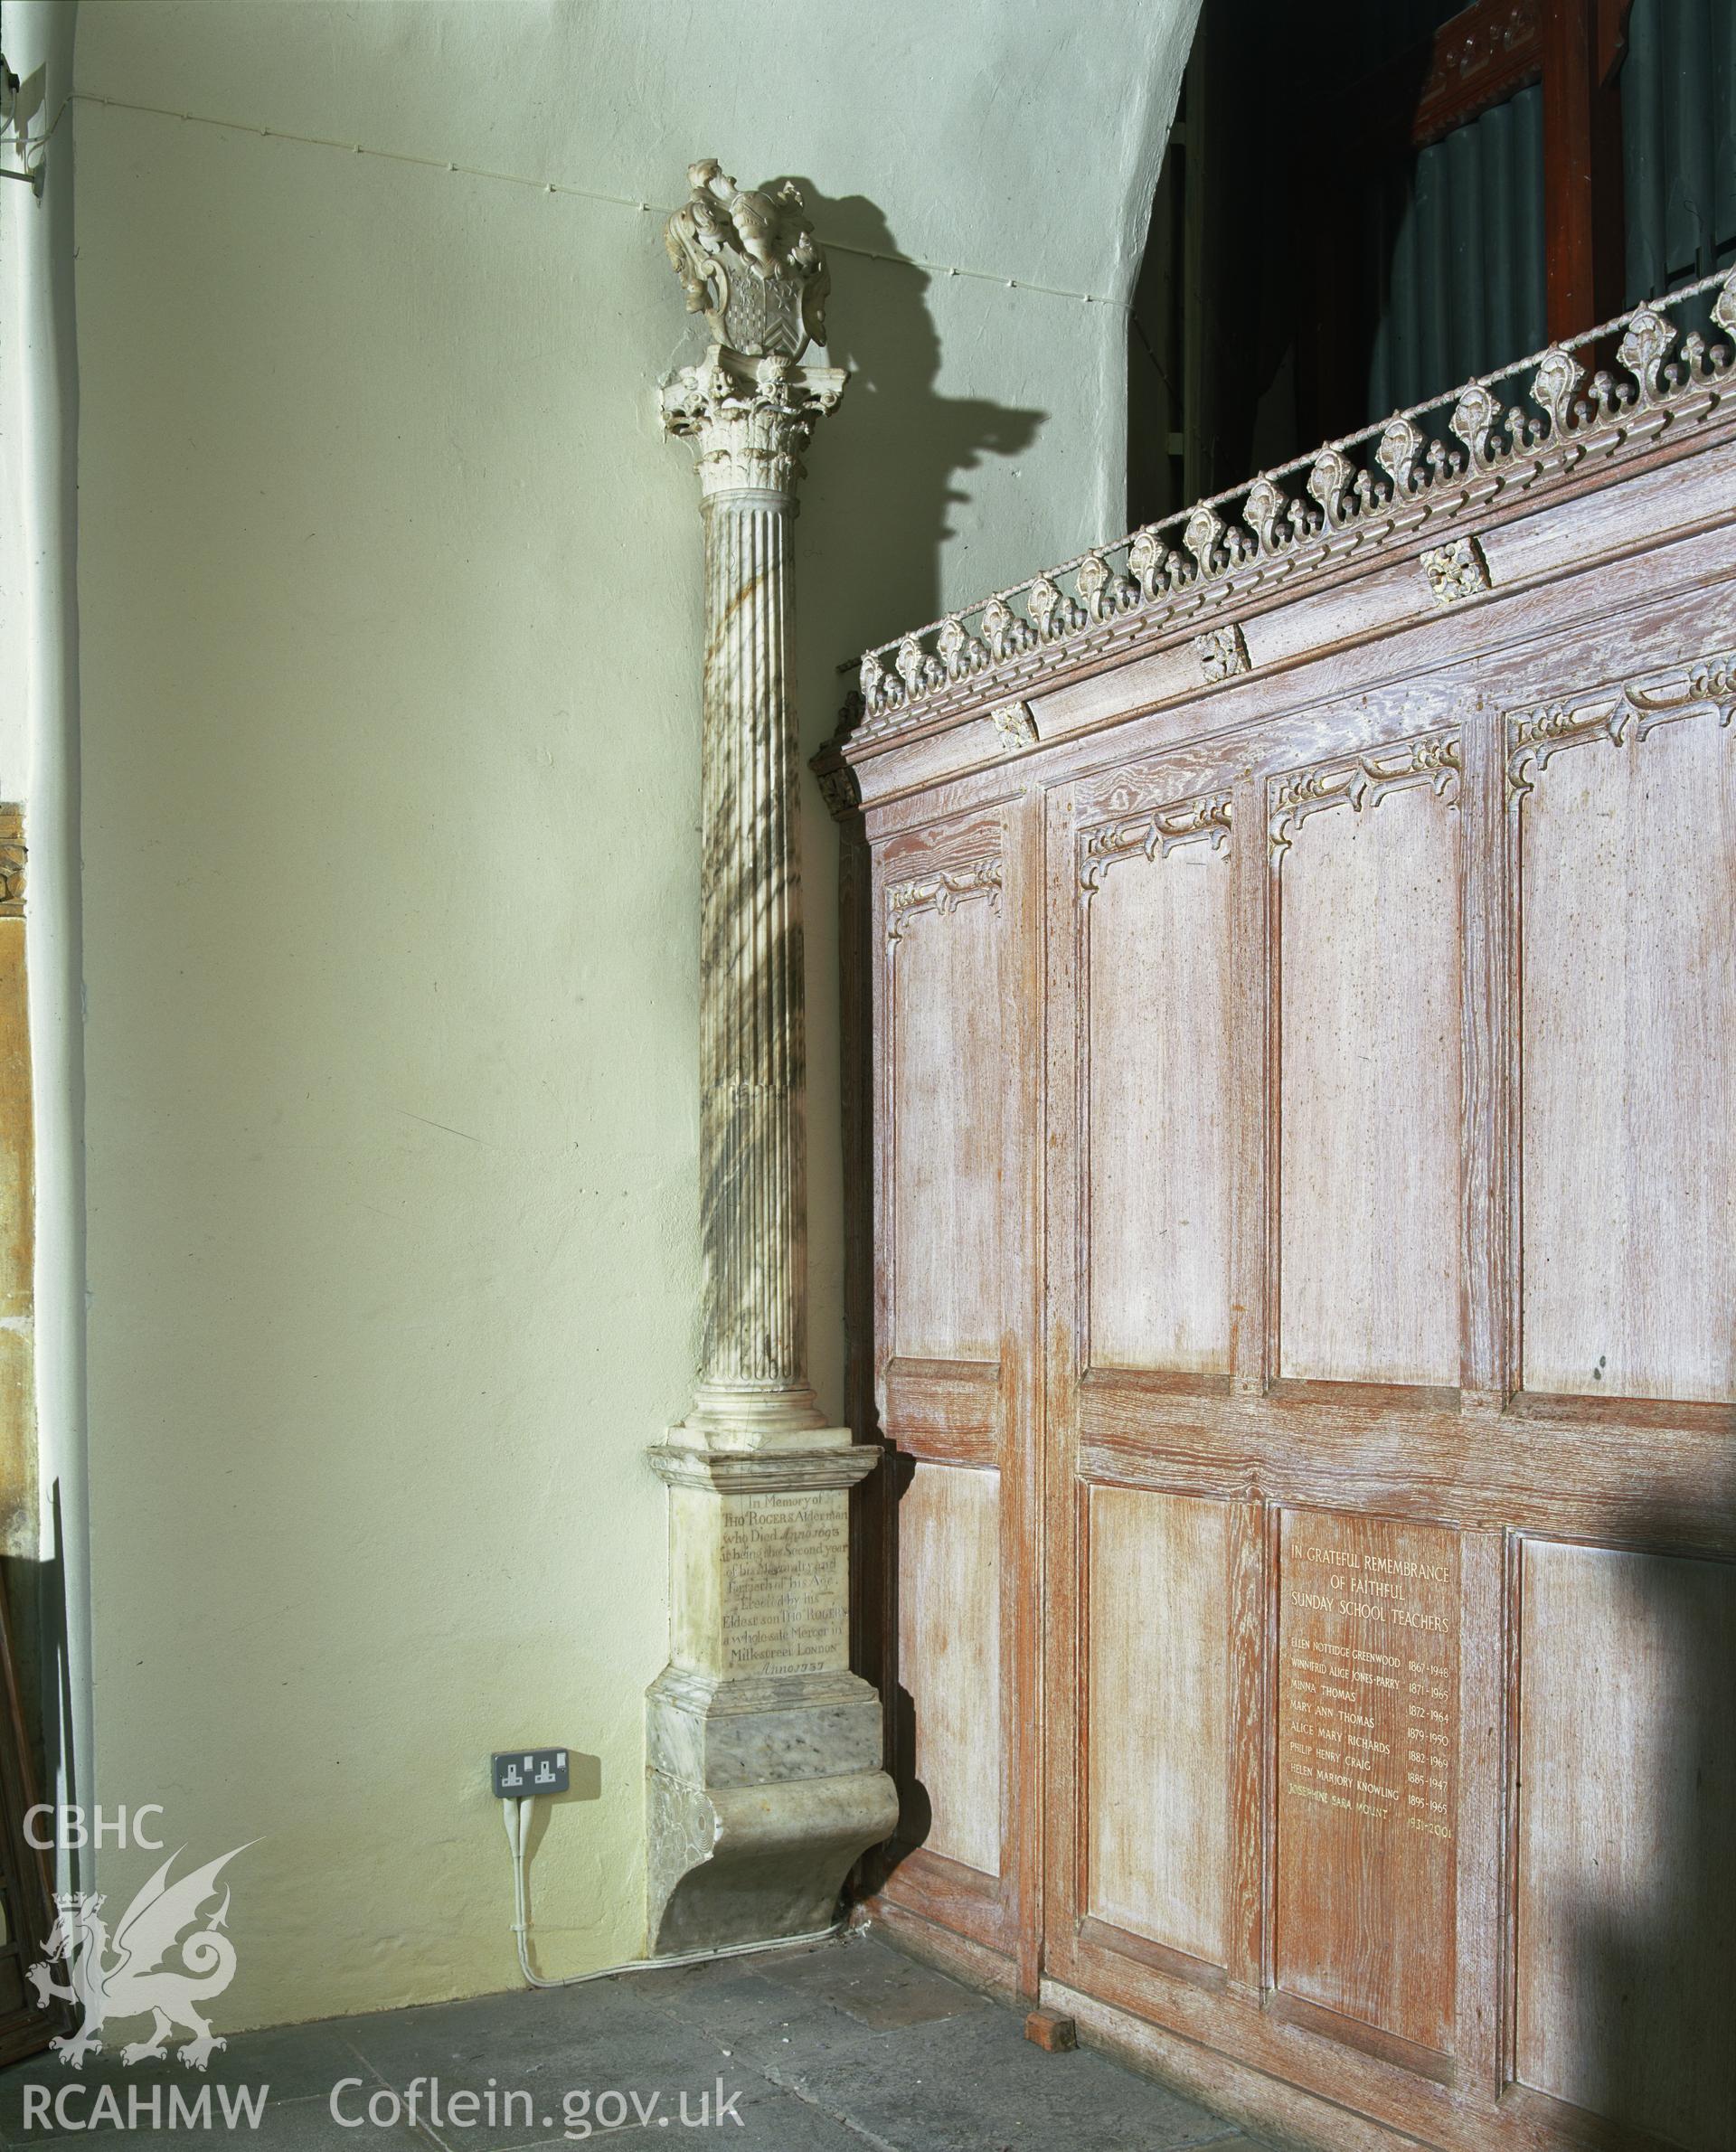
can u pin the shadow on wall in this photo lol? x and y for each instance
(1636, 1932)
(879, 505)
(877, 510)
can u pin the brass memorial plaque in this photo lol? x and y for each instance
(1367, 1770)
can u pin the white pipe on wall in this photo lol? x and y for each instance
(38, 39)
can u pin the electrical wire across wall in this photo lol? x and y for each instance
(550, 186)
(516, 1816)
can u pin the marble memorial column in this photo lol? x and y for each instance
(763, 1749)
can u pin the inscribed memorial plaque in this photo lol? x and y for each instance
(1367, 1770)
(784, 1596)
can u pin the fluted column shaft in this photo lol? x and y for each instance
(752, 1051)
(749, 421)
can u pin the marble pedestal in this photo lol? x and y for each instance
(763, 1750)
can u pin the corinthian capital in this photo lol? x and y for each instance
(748, 418)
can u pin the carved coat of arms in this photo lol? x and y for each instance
(748, 260)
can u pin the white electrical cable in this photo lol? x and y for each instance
(515, 1815)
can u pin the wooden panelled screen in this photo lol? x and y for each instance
(1297, 1035)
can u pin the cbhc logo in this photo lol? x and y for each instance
(76, 1827)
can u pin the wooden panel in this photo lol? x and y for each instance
(1367, 1771)
(1549, 1463)
(949, 1656)
(945, 1410)
(946, 1131)
(1161, 992)
(1626, 1889)
(1157, 1787)
(1369, 1093)
(1445, 1060)
(1628, 1146)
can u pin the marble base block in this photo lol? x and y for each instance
(763, 1750)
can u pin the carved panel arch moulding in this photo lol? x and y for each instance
(1152, 833)
(1622, 714)
(943, 891)
(1361, 781)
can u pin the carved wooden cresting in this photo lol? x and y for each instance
(1294, 1066)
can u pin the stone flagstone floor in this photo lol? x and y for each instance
(840, 2047)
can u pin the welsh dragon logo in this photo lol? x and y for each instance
(125, 1975)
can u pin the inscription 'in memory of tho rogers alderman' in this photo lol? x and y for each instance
(1367, 1766)
(784, 1583)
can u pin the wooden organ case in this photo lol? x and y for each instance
(1291, 995)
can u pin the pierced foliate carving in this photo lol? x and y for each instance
(960, 651)
(1052, 613)
(1473, 64)
(1154, 835)
(1456, 571)
(1154, 564)
(1204, 536)
(1222, 652)
(1145, 561)
(941, 892)
(1267, 513)
(1003, 630)
(1333, 482)
(1647, 344)
(1216, 546)
(1400, 454)
(1554, 387)
(1093, 579)
(748, 260)
(1287, 523)
(916, 668)
(1619, 715)
(1103, 592)
(1016, 725)
(1475, 418)
(1361, 781)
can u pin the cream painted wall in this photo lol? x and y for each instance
(47, 1582)
(390, 654)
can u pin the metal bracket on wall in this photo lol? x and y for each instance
(12, 123)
